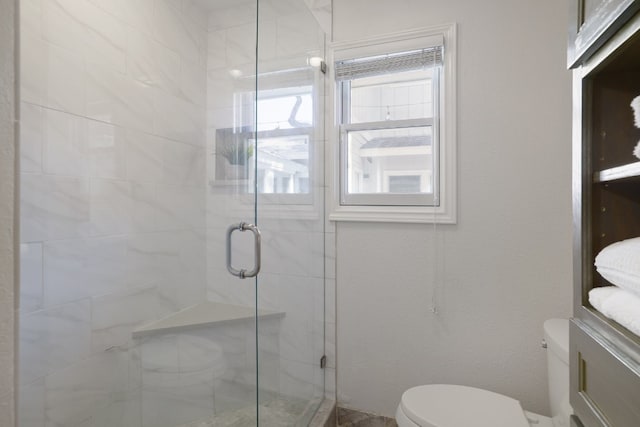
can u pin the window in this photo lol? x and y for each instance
(396, 128)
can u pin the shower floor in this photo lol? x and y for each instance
(277, 412)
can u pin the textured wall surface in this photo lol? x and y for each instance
(7, 191)
(506, 266)
(112, 208)
(118, 210)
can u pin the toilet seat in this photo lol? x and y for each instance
(446, 405)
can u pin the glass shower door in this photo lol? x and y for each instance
(289, 182)
(128, 317)
(267, 171)
(147, 129)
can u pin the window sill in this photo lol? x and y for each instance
(399, 214)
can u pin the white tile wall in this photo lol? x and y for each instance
(53, 339)
(231, 15)
(31, 291)
(322, 10)
(115, 98)
(80, 268)
(73, 395)
(298, 33)
(144, 157)
(31, 138)
(241, 44)
(120, 100)
(65, 144)
(66, 82)
(151, 62)
(112, 161)
(114, 315)
(106, 150)
(53, 207)
(32, 404)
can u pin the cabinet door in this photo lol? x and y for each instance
(592, 22)
(604, 380)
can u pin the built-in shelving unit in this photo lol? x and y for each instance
(605, 356)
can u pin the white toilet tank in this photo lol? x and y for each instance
(556, 336)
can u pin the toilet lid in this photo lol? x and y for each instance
(445, 405)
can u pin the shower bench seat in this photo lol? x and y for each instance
(205, 314)
(202, 362)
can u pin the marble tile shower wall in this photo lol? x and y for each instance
(292, 275)
(113, 214)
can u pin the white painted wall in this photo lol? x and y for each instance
(7, 212)
(506, 266)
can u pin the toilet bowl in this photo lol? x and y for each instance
(447, 405)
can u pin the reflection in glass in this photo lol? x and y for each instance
(285, 122)
(283, 164)
(285, 108)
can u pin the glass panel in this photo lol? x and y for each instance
(285, 124)
(283, 164)
(139, 147)
(396, 160)
(128, 314)
(397, 96)
(231, 159)
(289, 159)
(285, 108)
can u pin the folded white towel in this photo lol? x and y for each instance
(619, 263)
(635, 105)
(619, 305)
(597, 296)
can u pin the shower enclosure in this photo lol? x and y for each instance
(156, 136)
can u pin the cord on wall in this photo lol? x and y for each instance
(436, 258)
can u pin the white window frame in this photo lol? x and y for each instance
(382, 208)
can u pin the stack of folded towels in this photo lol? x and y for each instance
(635, 105)
(619, 263)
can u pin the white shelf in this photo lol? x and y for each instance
(632, 170)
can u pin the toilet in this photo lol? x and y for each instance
(447, 405)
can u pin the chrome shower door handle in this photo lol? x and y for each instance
(243, 226)
(257, 239)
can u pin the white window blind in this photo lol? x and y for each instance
(391, 63)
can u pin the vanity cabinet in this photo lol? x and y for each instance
(604, 54)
